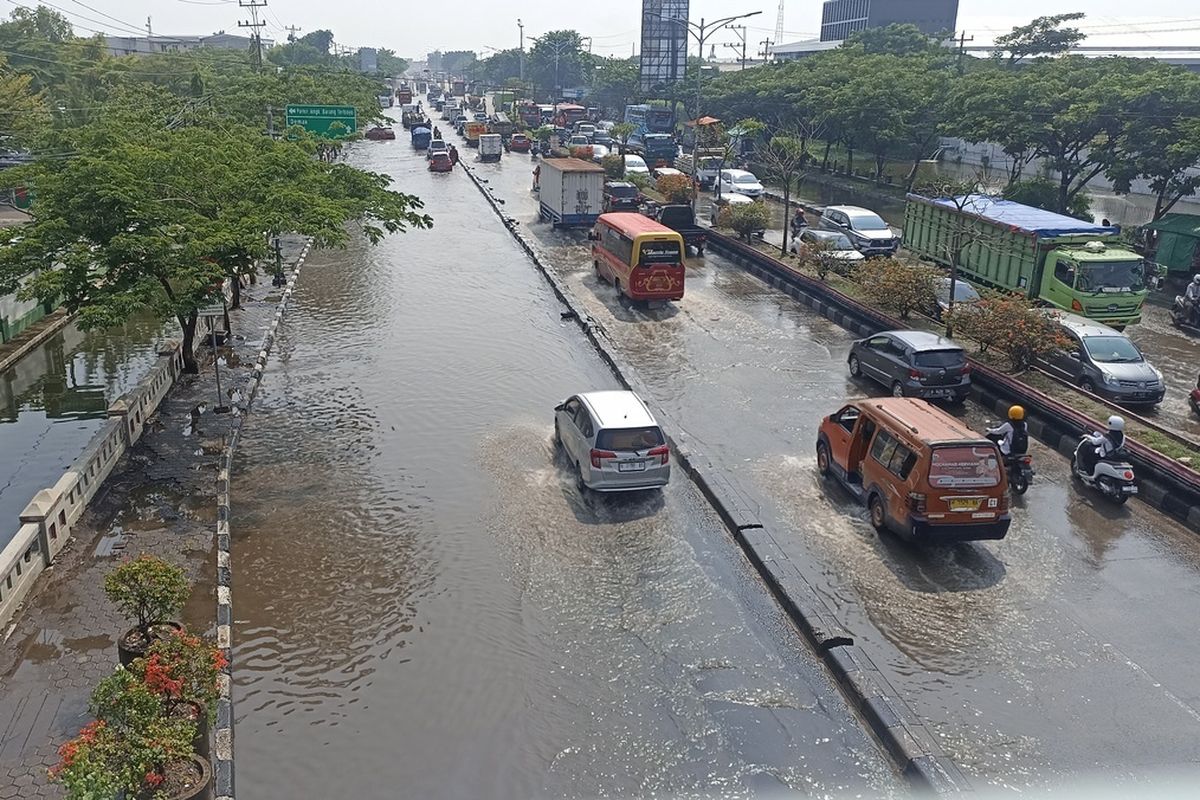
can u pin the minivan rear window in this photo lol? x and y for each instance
(939, 358)
(963, 467)
(626, 439)
(659, 253)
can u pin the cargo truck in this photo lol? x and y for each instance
(1055, 259)
(571, 191)
(472, 131)
(491, 147)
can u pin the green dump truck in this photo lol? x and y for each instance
(1062, 261)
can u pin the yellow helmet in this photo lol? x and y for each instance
(1016, 413)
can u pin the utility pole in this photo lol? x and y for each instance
(962, 49)
(254, 24)
(149, 29)
(521, 28)
(766, 49)
(292, 31)
(740, 30)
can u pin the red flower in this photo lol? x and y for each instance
(152, 779)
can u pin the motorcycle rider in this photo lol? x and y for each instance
(1015, 436)
(799, 222)
(1103, 444)
(1192, 297)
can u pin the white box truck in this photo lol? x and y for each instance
(571, 191)
(491, 146)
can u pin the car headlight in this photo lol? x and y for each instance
(1111, 380)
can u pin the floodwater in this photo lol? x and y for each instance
(54, 399)
(1064, 650)
(425, 605)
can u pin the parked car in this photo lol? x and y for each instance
(868, 232)
(1104, 361)
(920, 472)
(739, 181)
(832, 243)
(913, 364)
(612, 441)
(636, 165)
(964, 293)
(437, 146)
(621, 196)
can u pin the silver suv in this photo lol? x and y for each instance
(1104, 361)
(865, 229)
(612, 441)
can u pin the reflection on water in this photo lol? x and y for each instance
(52, 400)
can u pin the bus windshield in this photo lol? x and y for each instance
(659, 253)
(1110, 276)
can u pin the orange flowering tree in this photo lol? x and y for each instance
(675, 188)
(183, 668)
(898, 286)
(1012, 325)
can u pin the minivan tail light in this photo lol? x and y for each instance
(599, 455)
(914, 374)
(916, 502)
(663, 453)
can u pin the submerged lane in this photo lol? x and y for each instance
(425, 605)
(1065, 648)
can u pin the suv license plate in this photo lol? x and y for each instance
(631, 466)
(964, 503)
(937, 392)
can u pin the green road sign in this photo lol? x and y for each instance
(317, 119)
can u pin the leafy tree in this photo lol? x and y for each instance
(897, 286)
(621, 133)
(23, 111)
(897, 39)
(993, 105)
(389, 63)
(1042, 37)
(749, 219)
(614, 83)
(614, 167)
(296, 53)
(150, 218)
(456, 62)
(319, 40)
(498, 67)
(1011, 324)
(675, 188)
(784, 158)
(557, 59)
(1043, 193)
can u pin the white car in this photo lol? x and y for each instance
(663, 172)
(636, 165)
(599, 151)
(739, 181)
(612, 442)
(831, 243)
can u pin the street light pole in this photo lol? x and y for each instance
(521, 27)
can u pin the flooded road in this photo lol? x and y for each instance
(52, 400)
(1064, 649)
(424, 602)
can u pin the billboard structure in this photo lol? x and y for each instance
(664, 43)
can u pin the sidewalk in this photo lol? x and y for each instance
(161, 500)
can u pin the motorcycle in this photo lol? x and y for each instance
(1112, 476)
(1020, 468)
(1181, 315)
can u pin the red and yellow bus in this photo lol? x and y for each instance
(641, 257)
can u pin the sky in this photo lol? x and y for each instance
(412, 30)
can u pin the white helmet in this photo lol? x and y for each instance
(1115, 423)
(1196, 278)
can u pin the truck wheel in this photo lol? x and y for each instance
(878, 513)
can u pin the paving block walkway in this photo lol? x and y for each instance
(162, 500)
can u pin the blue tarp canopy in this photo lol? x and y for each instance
(420, 129)
(1026, 218)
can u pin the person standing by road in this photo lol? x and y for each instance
(453, 155)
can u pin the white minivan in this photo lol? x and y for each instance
(739, 181)
(612, 442)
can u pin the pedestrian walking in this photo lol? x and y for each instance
(453, 155)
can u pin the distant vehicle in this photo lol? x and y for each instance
(473, 130)
(834, 244)
(1080, 267)
(578, 140)
(635, 165)
(913, 364)
(437, 146)
(480, 116)
(439, 161)
(380, 132)
(1105, 362)
(567, 114)
(599, 152)
(612, 441)
(641, 257)
(602, 138)
(421, 137)
(921, 473)
(519, 143)
(680, 218)
(866, 230)
(621, 196)
(501, 124)
(662, 172)
(707, 171)
(585, 129)
(739, 181)
(964, 294)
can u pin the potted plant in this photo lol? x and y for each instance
(150, 592)
(183, 671)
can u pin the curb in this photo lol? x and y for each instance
(28, 346)
(223, 728)
(1171, 489)
(911, 747)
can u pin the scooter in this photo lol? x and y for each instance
(1020, 468)
(1181, 315)
(1112, 477)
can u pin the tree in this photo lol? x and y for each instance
(296, 54)
(1042, 37)
(897, 39)
(785, 158)
(621, 133)
(1043, 193)
(993, 105)
(456, 62)
(1011, 324)
(675, 188)
(319, 40)
(960, 232)
(146, 218)
(614, 84)
(23, 111)
(897, 286)
(389, 63)
(749, 219)
(557, 60)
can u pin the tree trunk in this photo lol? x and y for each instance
(825, 160)
(236, 281)
(1064, 192)
(911, 177)
(188, 324)
(878, 168)
(787, 222)
(850, 161)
